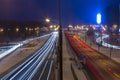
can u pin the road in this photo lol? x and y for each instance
(44, 57)
(98, 40)
(4, 51)
(102, 67)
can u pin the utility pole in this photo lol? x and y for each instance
(60, 41)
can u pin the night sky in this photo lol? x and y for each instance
(72, 11)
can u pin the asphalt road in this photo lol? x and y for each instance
(99, 63)
(44, 56)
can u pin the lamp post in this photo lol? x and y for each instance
(60, 40)
(47, 20)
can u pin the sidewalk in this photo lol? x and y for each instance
(67, 74)
(112, 53)
(67, 63)
(79, 72)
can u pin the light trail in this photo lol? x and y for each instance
(98, 40)
(17, 45)
(28, 68)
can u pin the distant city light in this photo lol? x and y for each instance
(51, 26)
(103, 28)
(87, 29)
(17, 29)
(70, 26)
(94, 27)
(115, 26)
(98, 18)
(1, 29)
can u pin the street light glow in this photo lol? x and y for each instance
(51, 26)
(17, 29)
(47, 20)
(1, 29)
(98, 18)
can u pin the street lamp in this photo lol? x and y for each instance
(47, 20)
(60, 40)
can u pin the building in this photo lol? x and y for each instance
(111, 18)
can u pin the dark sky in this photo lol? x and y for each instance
(73, 11)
